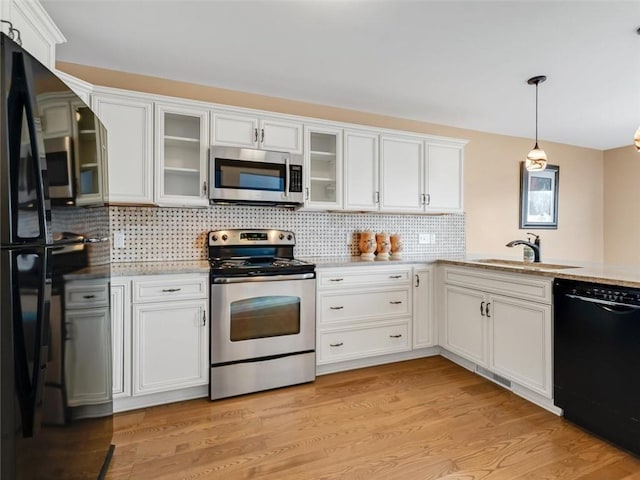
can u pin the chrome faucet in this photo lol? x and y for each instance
(535, 246)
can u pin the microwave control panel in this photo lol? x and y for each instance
(295, 178)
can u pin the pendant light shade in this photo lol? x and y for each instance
(536, 158)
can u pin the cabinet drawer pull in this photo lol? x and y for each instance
(204, 318)
(395, 276)
(486, 310)
(395, 302)
(262, 135)
(417, 280)
(336, 308)
(395, 336)
(88, 297)
(255, 134)
(482, 308)
(336, 344)
(171, 290)
(336, 279)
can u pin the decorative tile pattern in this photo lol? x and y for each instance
(165, 234)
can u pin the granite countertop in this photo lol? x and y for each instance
(619, 275)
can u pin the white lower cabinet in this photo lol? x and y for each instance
(170, 343)
(160, 326)
(86, 343)
(423, 308)
(365, 312)
(501, 322)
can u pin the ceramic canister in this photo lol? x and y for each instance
(396, 245)
(383, 243)
(367, 243)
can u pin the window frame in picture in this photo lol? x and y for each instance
(552, 173)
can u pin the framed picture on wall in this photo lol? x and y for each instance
(539, 198)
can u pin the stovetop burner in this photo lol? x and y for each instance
(254, 252)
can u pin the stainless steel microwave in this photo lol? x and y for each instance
(255, 177)
(60, 169)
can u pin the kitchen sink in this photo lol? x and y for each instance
(527, 265)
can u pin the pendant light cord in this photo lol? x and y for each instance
(536, 115)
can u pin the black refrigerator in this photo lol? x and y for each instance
(55, 332)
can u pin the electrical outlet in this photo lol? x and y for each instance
(423, 239)
(118, 239)
(349, 238)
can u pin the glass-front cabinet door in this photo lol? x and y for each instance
(181, 155)
(90, 152)
(323, 160)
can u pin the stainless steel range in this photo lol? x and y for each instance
(262, 312)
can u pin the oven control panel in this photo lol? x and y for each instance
(240, 237)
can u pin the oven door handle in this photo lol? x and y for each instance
(265, 278)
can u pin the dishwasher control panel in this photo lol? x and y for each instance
(611, 293)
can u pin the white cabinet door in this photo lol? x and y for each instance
(129, 123)
(443, 178)
(401, 174)
(38, 33)
(423, 326)
(55, 114)
(465, 325)
(235, 130)
(520, 339)
(182, 141)
(323, 168)
(86, 352)
(280, 135)
(121, 338)
(361, 191)
(170, 342)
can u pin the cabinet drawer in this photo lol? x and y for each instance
(526, 287)
(86, 295)
(340, 307)
(177, 287)
(363, 342)
(353, 276)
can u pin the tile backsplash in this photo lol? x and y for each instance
(162, 234)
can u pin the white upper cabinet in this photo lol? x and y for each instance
(35, 29)
(181, 155)
(129, 123)
(323, 167)
(443, 177)
(267, 133)
(401, 174)
(361, 162)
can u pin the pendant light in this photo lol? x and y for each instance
(636, 137)
(536, 158)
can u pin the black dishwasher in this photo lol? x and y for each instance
(597, 359)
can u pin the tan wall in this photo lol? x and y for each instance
(491, 182)
(621, 202)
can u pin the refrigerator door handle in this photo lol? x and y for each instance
(20, 101)
(29, 387)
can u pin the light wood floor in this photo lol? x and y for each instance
(421, 419)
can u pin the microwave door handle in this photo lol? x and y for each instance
(287, 178)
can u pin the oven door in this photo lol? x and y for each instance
(259, 317)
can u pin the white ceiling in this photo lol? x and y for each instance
(459, 63)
